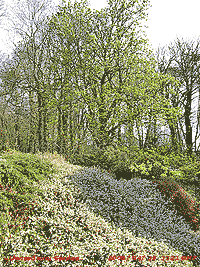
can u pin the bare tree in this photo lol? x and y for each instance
(29, 20)
(183, 64)
(2, 7)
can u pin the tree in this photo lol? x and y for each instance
(186, 70)
(63, 84)
(13, 74)
(27, 53)
(165, 67)
(9, 73)
(30, 39)
(107, 70)
(101, 65)
(151, 137)
(1, 8)
(32, 54)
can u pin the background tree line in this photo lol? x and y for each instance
(80, 75)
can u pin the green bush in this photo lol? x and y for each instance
(87, 157)
(150, 164)
(117, 160)
(17, 173)
(131, 162)
(112, 159)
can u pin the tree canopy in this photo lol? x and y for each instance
(111, 68)
(88, 72)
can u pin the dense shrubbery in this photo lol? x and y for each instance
(16, 174)
(112, 159)
(152, 163)
(169, 170)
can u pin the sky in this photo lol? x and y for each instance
(167, 20)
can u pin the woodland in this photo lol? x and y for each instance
(66, 81)
(77, 76)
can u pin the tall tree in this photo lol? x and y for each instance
(103, 71)
(2, 7)
(149, 122)
(36, 22)
(96, 40)
(9, 79)
(68, 109)
(184, 66)
(166, 67)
